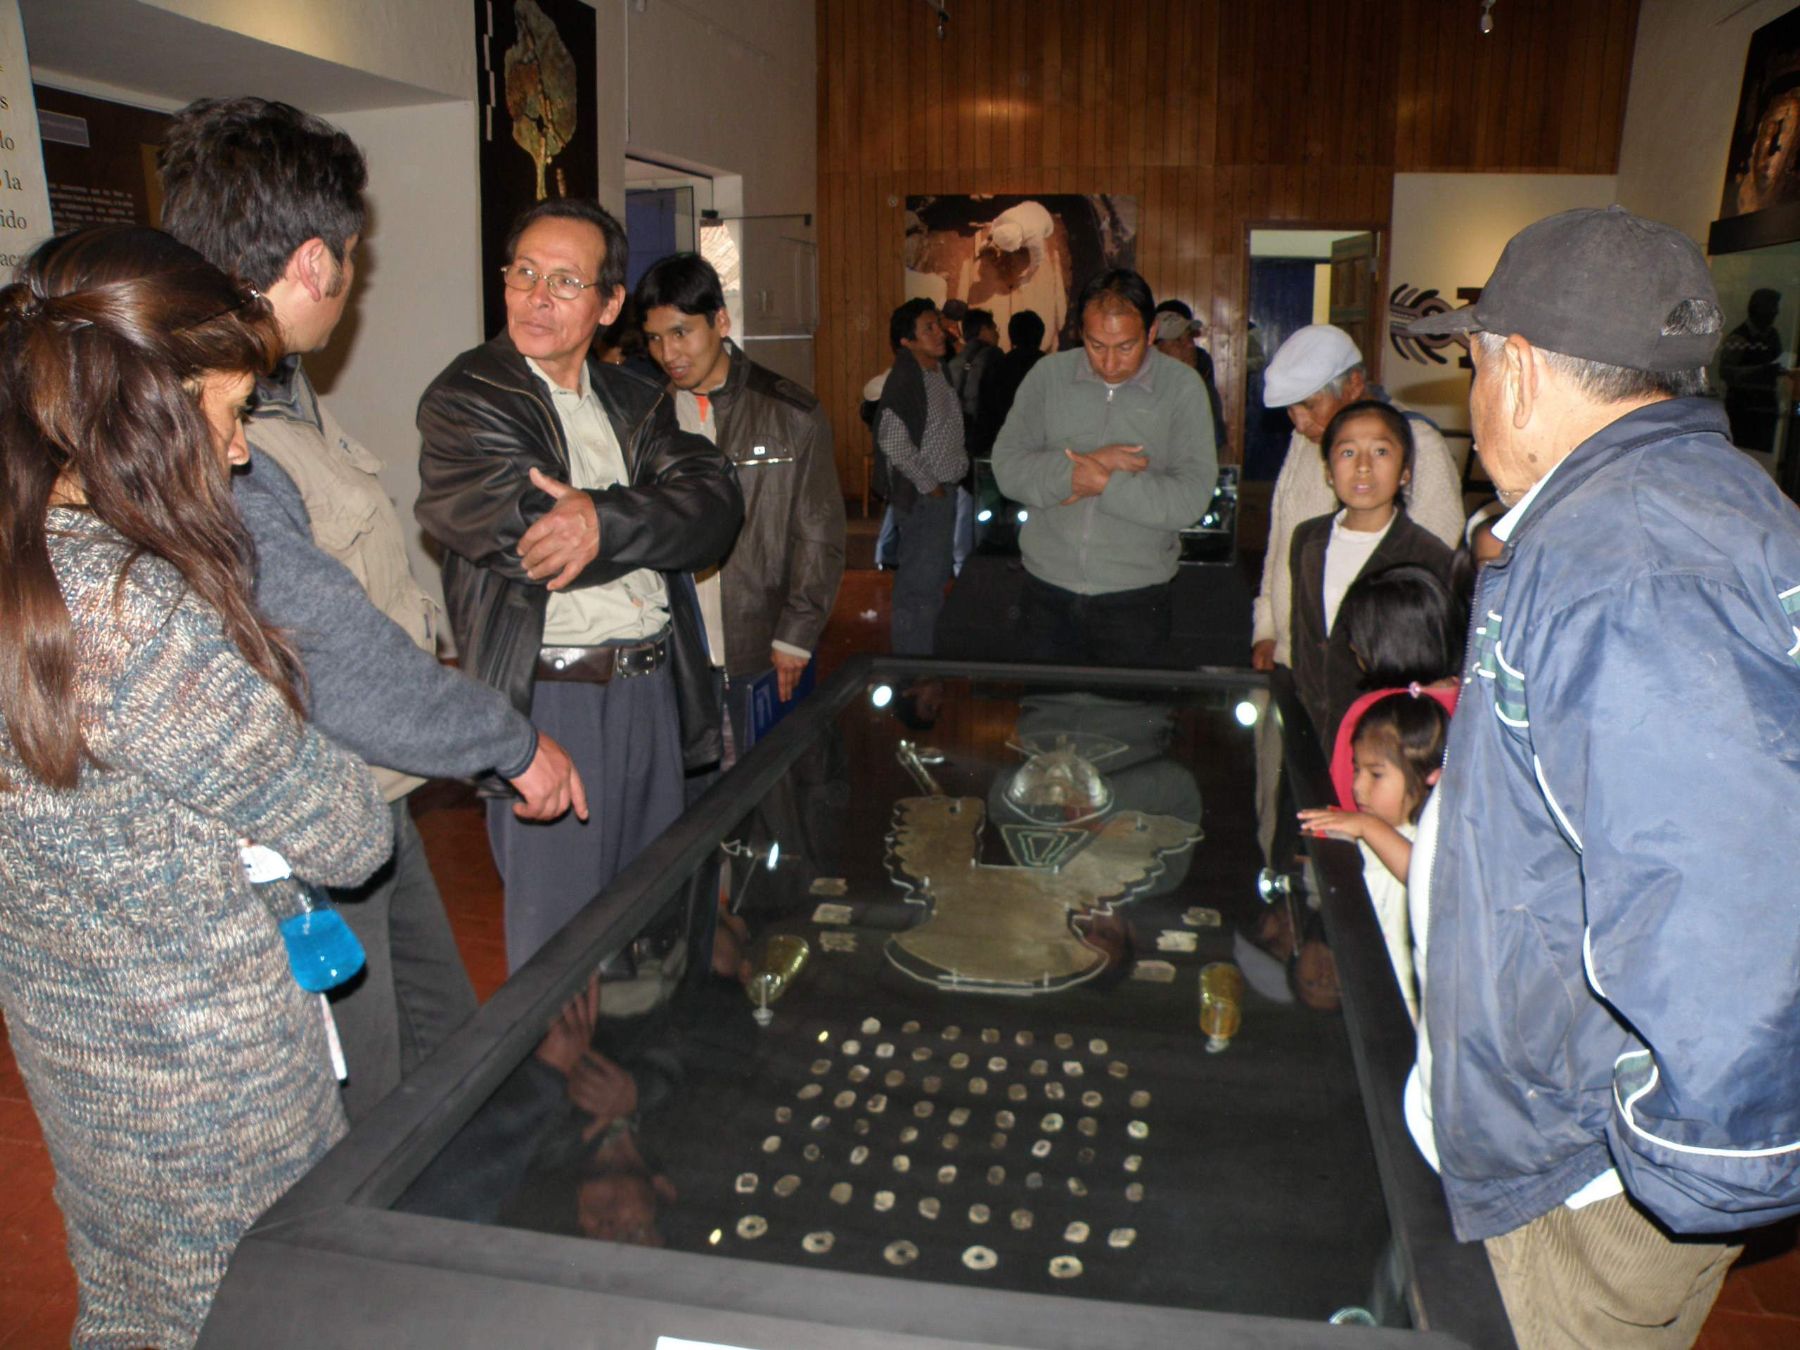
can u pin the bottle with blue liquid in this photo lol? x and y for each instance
(322, 951)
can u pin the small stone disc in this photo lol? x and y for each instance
(1121, 1238)
(885, 1050)
(902, 1163)
(1039, 1067)
(772, 1143)
(990, 1035)
(996, 1174)
(844, 1100)
(929, 1207)
(747, 1183)
(946, 1174)
(950, 1033)
(817, 1243)
(1022, 1220)
(876, 1104)
(997, 1064)
(1004, 1119)
(1051, 1123)
(1041, 1149)
(909, 1028)
(859, 1155)
(858, 1073)
(978, 1087)
(1118, 1068)
(979, 1213)
(1034, 1181)
(1137, 1129)
(1064, 1041)
(1134, 1161)
(884, 1201)
(1024, 1038)
(910, 1133)
(1097, 1046)
(1139, 1100)
(950, 1140)
(1077, 1187)
(840, 1193)
(923, 1110)
(1091, 1099)
(752, 1226)
(960, 1060)
(1072, 1068)
(901, 1253)
(1135, 1192)
(821, 1067)
(959, 1116)
(1015, 1092)
(1076, 1232)
(870, 1026)
(998, 1141)
(921, 1054)
(853, 1048)
(786, 1186)
(812, 1153)
(1088, 1125)
(1053, 1091)
(807, 1093)
(980, 1258)
(893, 1078)
(1065, 1267)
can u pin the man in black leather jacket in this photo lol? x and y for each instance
(768, 604)
(572, 508)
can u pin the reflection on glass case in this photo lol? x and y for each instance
(1759, 290)
(976, 987)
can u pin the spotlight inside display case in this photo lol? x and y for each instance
(955, 1014)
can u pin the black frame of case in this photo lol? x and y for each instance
(331, 1264)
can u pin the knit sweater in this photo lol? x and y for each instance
(180, 1075)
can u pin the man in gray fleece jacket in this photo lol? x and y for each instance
(1111, 448)
(274, 196)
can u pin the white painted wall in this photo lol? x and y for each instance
(427, 43)
(1448, 231)
(415, 304)
(1685, 77)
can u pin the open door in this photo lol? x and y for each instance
(1354, 265)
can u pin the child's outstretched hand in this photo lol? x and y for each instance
(1327, 822)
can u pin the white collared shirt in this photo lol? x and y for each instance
(635, 605)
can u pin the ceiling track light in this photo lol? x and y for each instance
(1486, 25)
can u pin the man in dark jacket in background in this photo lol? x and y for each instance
(1611, 1020)
(273, 195)
(572, 508)
(766, 606)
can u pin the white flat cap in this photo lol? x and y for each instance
(1308, 361)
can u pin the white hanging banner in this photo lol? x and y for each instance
(24, 197)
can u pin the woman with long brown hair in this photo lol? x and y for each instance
(151, 721)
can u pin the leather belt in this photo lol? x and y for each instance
(597, 665)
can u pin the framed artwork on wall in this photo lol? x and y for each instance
(536, 72)
(1761, 203)
(1011, 252)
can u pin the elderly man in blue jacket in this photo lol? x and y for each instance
(1604, 877)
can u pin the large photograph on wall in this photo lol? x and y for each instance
(1007, 253)
(536, 63)
(1764, 170)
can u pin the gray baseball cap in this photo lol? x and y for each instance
(1597, 284)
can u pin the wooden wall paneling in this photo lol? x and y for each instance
(1213, 115)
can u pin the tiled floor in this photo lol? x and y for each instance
(1758, 1310)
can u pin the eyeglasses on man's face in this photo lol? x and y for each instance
(561, 285)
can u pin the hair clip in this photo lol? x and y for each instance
(1414, 689)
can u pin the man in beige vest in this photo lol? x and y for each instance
(275, 196)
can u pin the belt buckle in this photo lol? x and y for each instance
(629, 662)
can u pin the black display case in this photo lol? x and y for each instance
(983, 1110)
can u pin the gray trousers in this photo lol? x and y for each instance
(927, 531)
(625, 739)
(414, 991)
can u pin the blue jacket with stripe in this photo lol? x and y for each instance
(1613, 975)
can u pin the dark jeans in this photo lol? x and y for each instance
(414, 991)
(1121, 628)
(927, 529)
